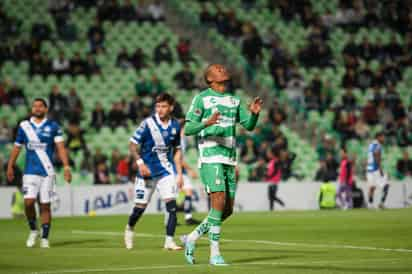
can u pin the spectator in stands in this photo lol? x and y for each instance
(351, 49)
(75, 139)
(61, 65)
(205, 16)
(58, 104)
(184, 50)
(77, 65)
(138, 59)
(252, 46)
(370, 113)
(114, 160)
(185, 79)
(365, 78)
(108, 10)
(404, 166)
(286, 161)
(75, 106)
(5, 132)
(4, 97)
(404, 134)
(98, 157)
(391, 98)
(156, 11)
(142, 12)
(280, 79)
(394, 49)
(362, 129)
(349, 100)
(96, 44)
(127, 11)
(16, 95)
(98, 117)
(135, 107)
(316, 54)
(40, 31)
(163, 53)
(101, 174)
(117, 116)
(248, 152)
(46, 65)
(123, 59)
(36, 65)
(92, 67)
(258, 171)
(324, 174)
(155, 86)
(123, 170)
(349, 79)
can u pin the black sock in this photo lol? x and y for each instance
(384, 193)
(187, 206)
(135, 216)
(32, 224)
(45, 231)
(371, 199)
(172, 218)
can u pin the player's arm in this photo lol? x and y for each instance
(20, 140)
(194, 124)
(62, 153)
(248, 117)
(378, 160)
(12, 162)
(179, 167)
(192, 173)
(135, 147)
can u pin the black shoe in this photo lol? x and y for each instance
(192, 221)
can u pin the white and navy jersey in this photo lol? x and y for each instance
(157, 145)
(373, 147)
(39, 141)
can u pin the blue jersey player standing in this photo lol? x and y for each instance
(156, 148)
(375, 175)
(40, 137)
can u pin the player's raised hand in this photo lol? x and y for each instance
(67, 175)
(144, 170)
(256, 106)
(10, 174)
(214, 119)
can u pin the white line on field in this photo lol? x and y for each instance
(337, 246)
(161, 267)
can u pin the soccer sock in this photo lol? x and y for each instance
(384, 193)
(45, 231)
(215, 220)
(172, 218)
(32, 224)
(187, 207)
(135, 216)
(201, 229)
(371, 199)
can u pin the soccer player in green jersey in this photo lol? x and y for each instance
(212, 117)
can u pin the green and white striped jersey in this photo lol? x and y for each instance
(217, 143)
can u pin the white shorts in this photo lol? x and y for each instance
(187, 183)
(374, 179)
(35, 184)
(166, 186)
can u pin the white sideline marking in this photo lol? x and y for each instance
(160, 267)
(401, 250)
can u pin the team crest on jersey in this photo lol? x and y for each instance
(47, 129)
(165, 134)
(213, 100)
(174, 131)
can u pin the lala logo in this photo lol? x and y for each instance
(173, 131)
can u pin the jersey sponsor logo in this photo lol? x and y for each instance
(47, 129)
(174, 131)
(32, 145)
(161, 149)
(165, 134)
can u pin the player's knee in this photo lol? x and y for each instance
(171, 207)
(29, 202)
(139, 205)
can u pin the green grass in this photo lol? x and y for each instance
(282, 242)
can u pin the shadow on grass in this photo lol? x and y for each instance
(77, 242)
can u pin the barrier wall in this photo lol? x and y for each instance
(118, 199)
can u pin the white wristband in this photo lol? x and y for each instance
(139, 162)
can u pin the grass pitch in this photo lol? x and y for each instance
(358, 241)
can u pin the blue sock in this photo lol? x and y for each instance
(187, 206)
(172, 218)
(135, 216)
(32, 224)
(45, 231)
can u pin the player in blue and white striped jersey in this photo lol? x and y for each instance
(155, 146)
(40, 137)
(375, 175)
